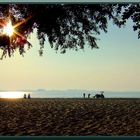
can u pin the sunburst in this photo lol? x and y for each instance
(11, 32)
(8, 29)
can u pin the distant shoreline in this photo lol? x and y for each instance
(74, 98)
(69, 94)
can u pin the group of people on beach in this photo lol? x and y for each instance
(84, 95)
(101, 95)
(27, 97)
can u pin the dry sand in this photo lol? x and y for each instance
(66, 117)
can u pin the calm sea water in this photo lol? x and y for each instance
(66, 94)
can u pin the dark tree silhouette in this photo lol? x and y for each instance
(67, 26)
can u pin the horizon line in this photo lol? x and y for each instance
(29, 90)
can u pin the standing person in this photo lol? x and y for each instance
(88, 95)
(29, 96)
(84, 95)
(24, 96)
(102, 95)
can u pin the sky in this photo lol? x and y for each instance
(113, 67)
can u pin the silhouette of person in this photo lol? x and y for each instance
(88, 95)
(84, 95)
(102, 95)
(24, 96)
(29, 96)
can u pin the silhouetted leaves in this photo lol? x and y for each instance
(66, 26)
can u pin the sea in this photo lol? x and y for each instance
(41, 93)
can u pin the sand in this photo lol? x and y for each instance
(70, 117)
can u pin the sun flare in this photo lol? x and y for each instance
(8, 29)
(12, 94)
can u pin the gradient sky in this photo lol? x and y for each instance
(115, 66)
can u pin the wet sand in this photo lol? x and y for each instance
(70, 117)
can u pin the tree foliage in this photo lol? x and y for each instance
(67, 26)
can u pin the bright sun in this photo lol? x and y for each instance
(12, 94)
(8, 29)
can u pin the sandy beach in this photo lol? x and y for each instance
(70, 117)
